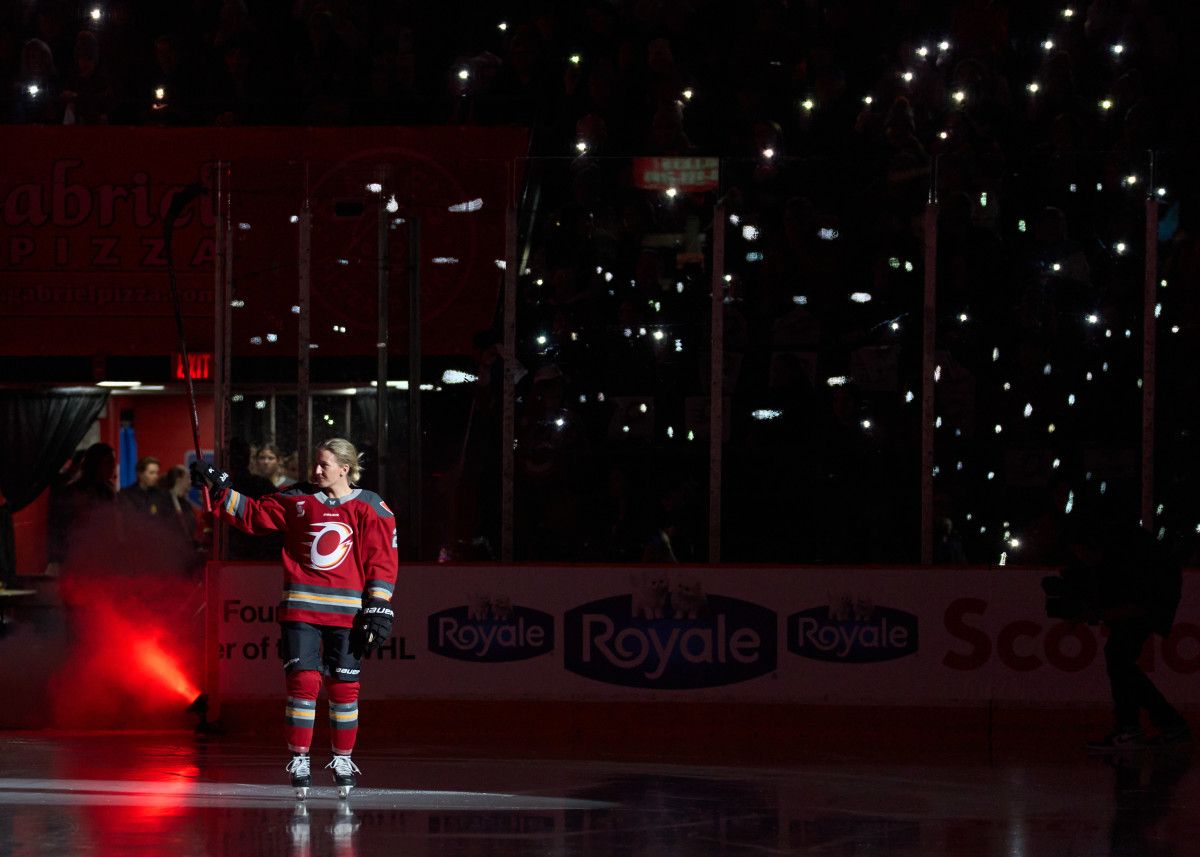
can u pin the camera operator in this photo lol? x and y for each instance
(1122, 577)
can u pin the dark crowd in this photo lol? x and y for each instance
(1042, 130)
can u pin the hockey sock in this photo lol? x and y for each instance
(343, 714)
(301, 712)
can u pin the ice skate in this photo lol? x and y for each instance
(343, 774)
(301, 771)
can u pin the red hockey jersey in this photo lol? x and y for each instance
(337, 552)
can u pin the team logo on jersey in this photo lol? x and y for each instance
(330, 543)
(300, 510)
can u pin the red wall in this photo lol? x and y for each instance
(163, 427)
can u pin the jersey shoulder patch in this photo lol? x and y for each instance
(376, 502)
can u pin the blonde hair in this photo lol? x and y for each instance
(343, 452)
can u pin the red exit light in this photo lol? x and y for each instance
(199, 367)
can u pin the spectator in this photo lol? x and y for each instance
(87, 510)
(145, 496)
(269, 465)
(192, 528)
(60, 509)
(34, 97)
(88, 93)
(51, 27)
(549, 445)
(175, 92)
(246, 481)
(1121, 576)
(324, 71)
(236, 93)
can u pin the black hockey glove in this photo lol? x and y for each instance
(205, 475)
(374, 623)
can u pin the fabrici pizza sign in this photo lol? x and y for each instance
(83, 211)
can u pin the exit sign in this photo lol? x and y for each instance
(199, 367)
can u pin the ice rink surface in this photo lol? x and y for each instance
(168, 793)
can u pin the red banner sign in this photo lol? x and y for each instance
(682, 174)
(83, 260)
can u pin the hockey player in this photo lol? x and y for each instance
(339, 562)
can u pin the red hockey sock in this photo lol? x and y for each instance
(343, 714)
(301, 712)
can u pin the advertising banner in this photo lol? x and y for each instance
(896, 636)
(82, 253)
(680, 173)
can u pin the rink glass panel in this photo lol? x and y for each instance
(823, 282)
(612, 331)
(350, 206)
(1039, 349)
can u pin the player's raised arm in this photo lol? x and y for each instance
(247, 514)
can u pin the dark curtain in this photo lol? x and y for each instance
(40, 431)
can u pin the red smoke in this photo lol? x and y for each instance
(136, 646)
(163, 669)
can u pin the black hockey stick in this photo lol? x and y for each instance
(182, 197)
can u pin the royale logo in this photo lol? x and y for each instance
(868, 636)
(464, 635)
(733, 641)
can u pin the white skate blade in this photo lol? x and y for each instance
(344, 791)
(302, 793)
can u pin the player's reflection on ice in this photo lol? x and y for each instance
(306, 824)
